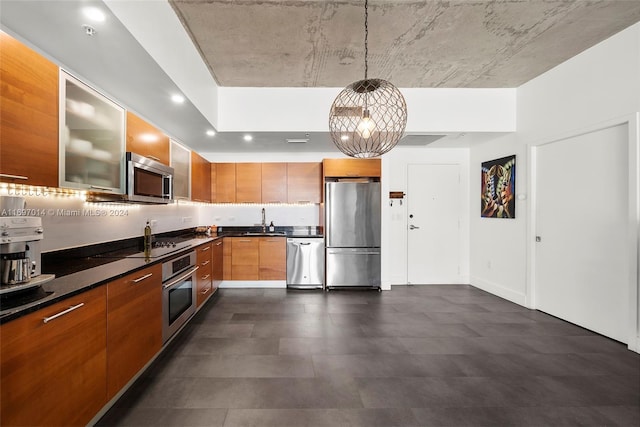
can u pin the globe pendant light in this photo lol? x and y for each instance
(368, 117)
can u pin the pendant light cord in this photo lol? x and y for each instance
(366, 38)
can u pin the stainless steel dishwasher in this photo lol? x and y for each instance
(305, 262)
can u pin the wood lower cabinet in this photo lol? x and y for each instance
(245, 258)
(248, 182)
(144, 139)
(304, 182)
(204, 274)
(53, 363)
(217, 259)
(134, 316)
(28, 115)
(226, 258)
(200, 178)
(340, 168)
(273, 258)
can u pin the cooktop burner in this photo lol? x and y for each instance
(160, 249)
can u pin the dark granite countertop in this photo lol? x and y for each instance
(91, 277)
(81, 269)
(284, 231)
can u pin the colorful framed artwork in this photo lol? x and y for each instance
(499, 188)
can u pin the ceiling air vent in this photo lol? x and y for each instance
(297, 140)
(413, 140)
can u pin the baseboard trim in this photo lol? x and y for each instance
(498, 290)
(238, 284)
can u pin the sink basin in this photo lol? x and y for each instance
(258, 233)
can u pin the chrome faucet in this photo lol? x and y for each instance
(264, 222)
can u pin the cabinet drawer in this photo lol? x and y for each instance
(134, 316)
(53, 363)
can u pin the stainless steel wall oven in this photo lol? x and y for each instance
(179, 292)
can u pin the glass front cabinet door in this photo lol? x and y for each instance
(92, 138)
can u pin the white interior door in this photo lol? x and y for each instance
(433, 219)
(581, 271)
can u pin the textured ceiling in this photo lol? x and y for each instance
(427, 43)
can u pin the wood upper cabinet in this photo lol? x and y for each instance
(245, 258)
(225, 182)
(274, 183)
(213, 167)
(146, 140)
(200, 178)
(273, 258)
(248, 182)
(28, 115)
(181, 164)
(204, 276)
(53, 363)
(304, 182)
(337, 168)
(134, 316)
(217, 259)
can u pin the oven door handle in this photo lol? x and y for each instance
(181, 278)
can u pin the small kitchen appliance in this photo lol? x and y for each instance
(20, 253)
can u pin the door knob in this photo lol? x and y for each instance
(412, 227)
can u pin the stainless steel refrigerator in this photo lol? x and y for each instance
(352, 234)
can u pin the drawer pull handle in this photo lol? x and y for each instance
(205, 249)
(181, 278)
(62, 313)
(140, 279)
(205, 263)
(6, 175)
(205, 277)
(218, 244)
(205, 291)
(95, 187)
(153, 158)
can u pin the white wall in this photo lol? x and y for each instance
(598, 88)
(498, 251)
(70, 222)
(394, 219)
(306, 109)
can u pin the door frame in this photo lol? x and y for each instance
(633, 150)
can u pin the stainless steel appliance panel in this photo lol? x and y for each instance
(305, 262)
(358, 267)
(352, 214)
(178, 293)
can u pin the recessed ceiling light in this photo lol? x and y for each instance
(148, 137)
(344, 137)
(211, 132)
(177, 98)
(248, 138)
(94, 14)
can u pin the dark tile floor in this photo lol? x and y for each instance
(414, 356)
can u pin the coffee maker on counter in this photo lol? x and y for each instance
(20, 253)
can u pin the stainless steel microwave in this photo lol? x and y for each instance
(147, 181)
